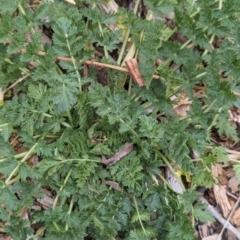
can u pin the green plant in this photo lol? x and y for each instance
(70, 120)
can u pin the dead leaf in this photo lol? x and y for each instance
(4, 237)
(32, 64)
(46, 39)
(46, 201)
(114, 185)
(229, 172)
(181, 110)
(173, 182)
(236, 218)
(127, 149)
(132, 67)
(222, 200)
(33, 160)
(183, 104)
(234, 116)
(102, 75)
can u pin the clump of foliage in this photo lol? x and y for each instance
(70, 120)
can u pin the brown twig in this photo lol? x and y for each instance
(18, 81)
(66, 59)
(229, 217)
(215, 214)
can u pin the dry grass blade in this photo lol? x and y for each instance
(1, 94)
(110, 7)
(70, 1)
(18, 81)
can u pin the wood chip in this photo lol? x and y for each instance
(230, 235)
(205, 230)
(223, 180)
(212, 237)
(220, 192)
(222, 200)
(236, 218)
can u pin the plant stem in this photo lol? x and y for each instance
(102, 34)
(57, 197)
(50, 116)
(127, 36)
(121, 120)
(64, 183)
(195, 13)
(70, 117)
(39, 231)
(80, 160)
(214, 120)
(130, 87)
(74, 64)
(135, 203)
(170, 34)
(172, 170)
(22, 161)
(123, 47)
(210, 42)
(185, 44)
(69, 212)
(210, 106)
(21, 10)
(220, 5)
(100, 205)
(3, 125)
(15, 156)
(201, 75)
(7, 60)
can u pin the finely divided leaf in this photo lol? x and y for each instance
(64, 95)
